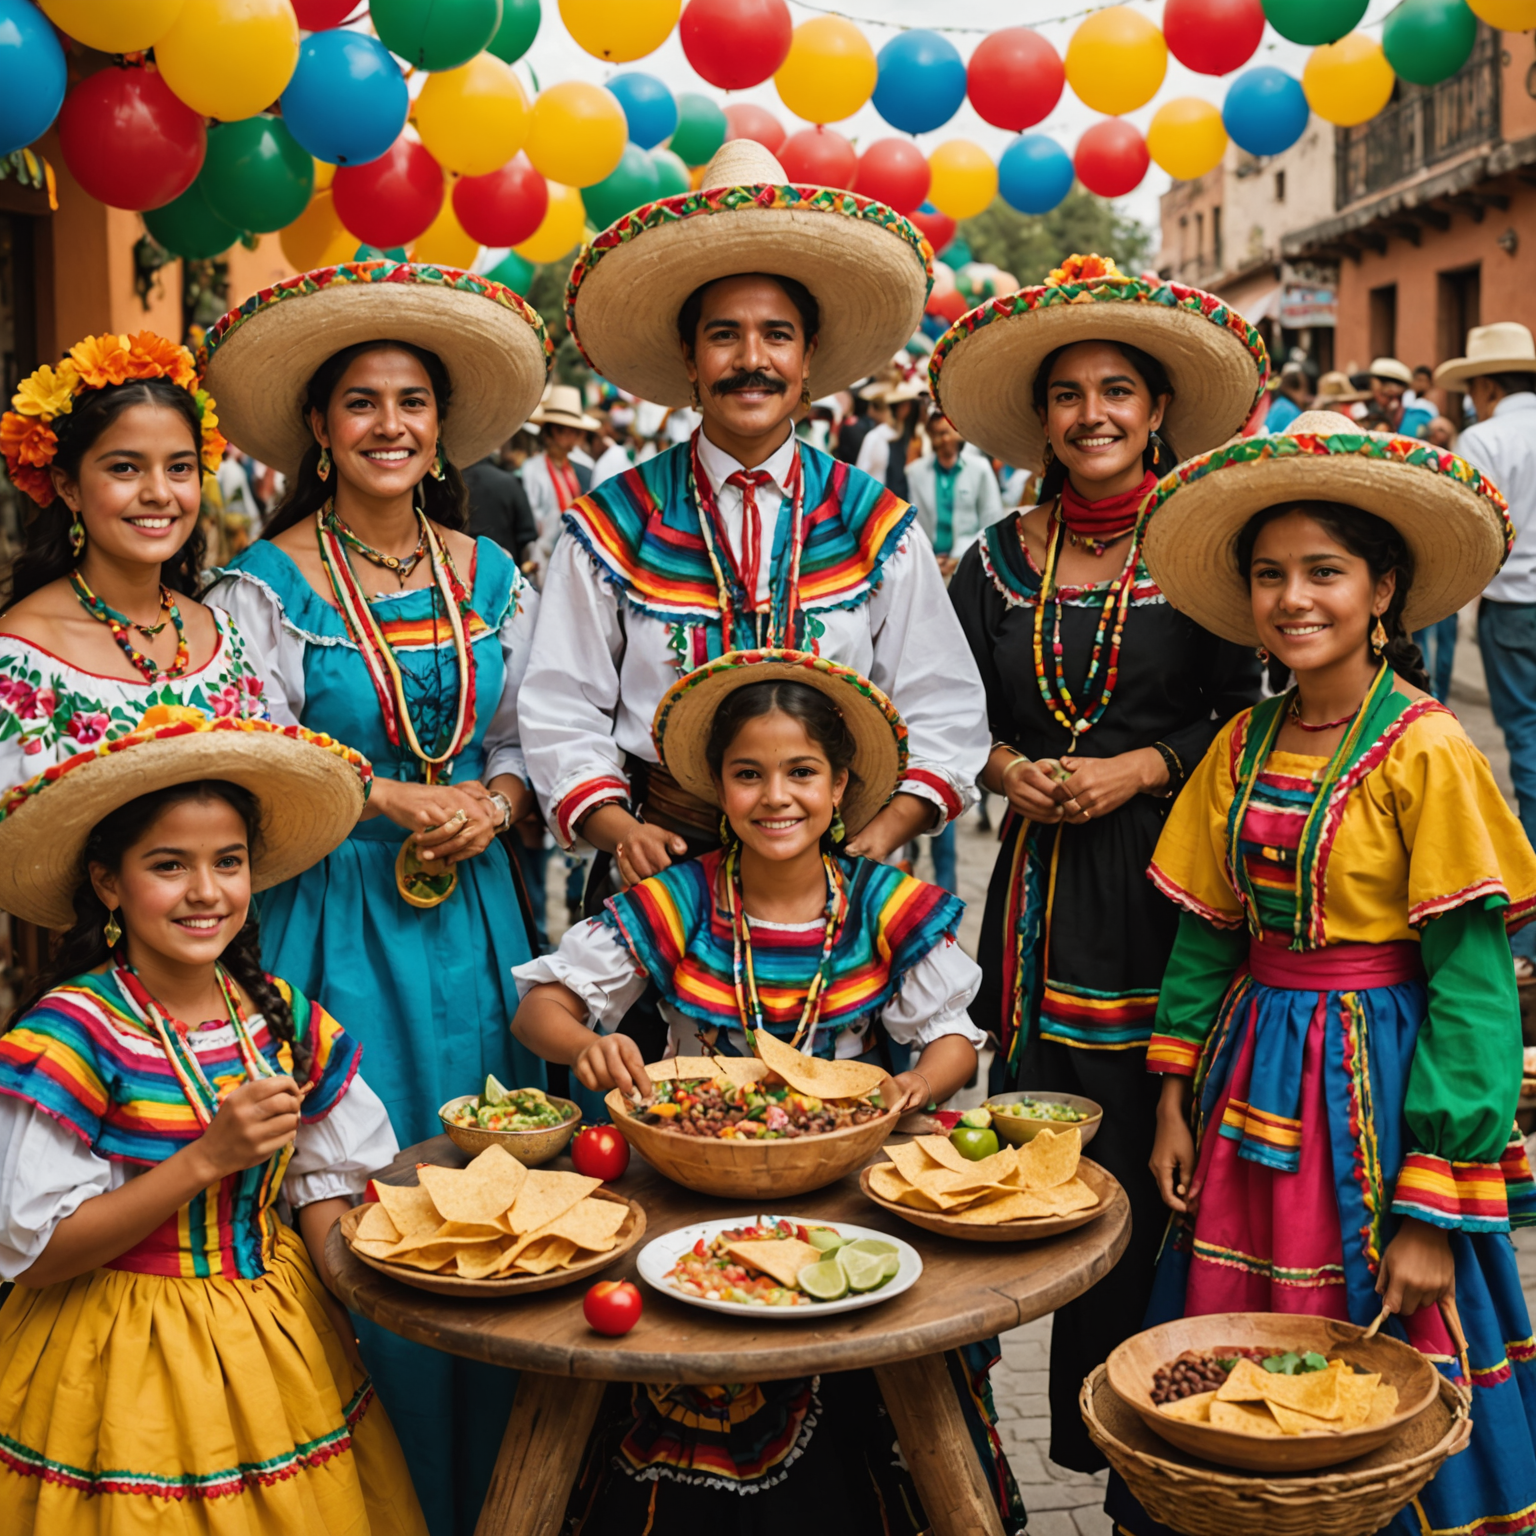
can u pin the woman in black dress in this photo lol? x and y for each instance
(1101, 698)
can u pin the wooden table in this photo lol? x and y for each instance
(968, 1291)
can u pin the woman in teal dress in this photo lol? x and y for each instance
(379, 622)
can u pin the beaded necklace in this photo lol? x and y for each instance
(401, 565)
(1058, 698)
(749, 1007)
(120, 624)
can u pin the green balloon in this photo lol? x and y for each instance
(1427, 41)
(672, 178)
(1314, 21)
(512, 272)
(188, 227)
(633, 181)
(257, 176)
(519, 26)
(700, 131)
(436, 34)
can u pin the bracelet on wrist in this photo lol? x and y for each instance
(503, 810)
(1175, 769)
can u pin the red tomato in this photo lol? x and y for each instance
(612, 1307)
(600, 1152)
(370, 1192)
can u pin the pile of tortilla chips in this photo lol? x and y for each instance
(821, 1077)
(1038, 1179)
(1253, 1401)
(491, 1219)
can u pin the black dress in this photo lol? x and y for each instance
(1075, 938)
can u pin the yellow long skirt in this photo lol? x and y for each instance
(140, 1405)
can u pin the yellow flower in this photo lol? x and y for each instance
(1084, 269)
(213, 440)
(158, 715)
(47, 393)
(103, 360)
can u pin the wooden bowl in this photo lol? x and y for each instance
(751, 1170)
(1099, 1180)
(508, 1285)
(530, 1148)
(1131, 1367)
(1018, 1129)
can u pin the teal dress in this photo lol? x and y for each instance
(428, 992)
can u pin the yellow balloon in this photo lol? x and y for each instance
(1187, 138)
(1511, 15)
(1348, 82)
(316, 238)
(445, 244)
(577, 134)
(830, 72)
(1116, 61)
(120, 26)
(325, 174)
(474, 118)
(619, 30)
(230, 58)
(563, 229)
(964, 179)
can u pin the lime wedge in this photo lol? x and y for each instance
(824, 1239)
(494, 1093)
(873, 1245)
(889, 1264)
(825, 1281)
(865, 1271)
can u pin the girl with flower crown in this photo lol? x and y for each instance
(99, 623)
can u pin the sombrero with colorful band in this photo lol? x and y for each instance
(263, 354)
(311, 790)
(983, 367)
(1454, 521)
(687, 712)
(868, 268)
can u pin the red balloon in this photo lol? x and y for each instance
(735, 43)
(1213, 37)
(820, 157)
(504, 208)
(746, 121)
(392, 200)
(894, 172)
(949, 306)
(1015, 78)
(1111, 158)
(317, 15)
(938, 228)
(129, 141)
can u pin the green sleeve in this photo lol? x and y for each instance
(1200, 969)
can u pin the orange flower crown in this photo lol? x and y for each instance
(1084, 269)
(26, 430)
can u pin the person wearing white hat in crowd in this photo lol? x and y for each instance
(1389, 410)
(884, 453)
(560, 471)
(1499, 373)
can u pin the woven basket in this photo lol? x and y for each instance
(1197, 1499)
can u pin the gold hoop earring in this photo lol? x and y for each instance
(1378, 637)
(323, 464)
(112, 930)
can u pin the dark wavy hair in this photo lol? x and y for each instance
(46, 555)
(445, 501)
(84, 947)
(1159, 453)
(1376, 542)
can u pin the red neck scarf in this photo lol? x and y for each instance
(1105, 519)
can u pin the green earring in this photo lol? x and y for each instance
(77, 537)
(838, 830)
(323, 466)
(439, 464)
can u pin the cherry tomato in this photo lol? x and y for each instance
(612, 1307)
(600, 1152)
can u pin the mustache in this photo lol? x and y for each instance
(756, 379)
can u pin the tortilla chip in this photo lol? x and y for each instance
(1313, 1392)
(821, 1078)
(739, 1070)
(780, 1258)
(1295, 1423)
(1050, 1159)
(1244, 1383)
(374, 1226)
(1244, 1418)
(410, 1207)
(1011, 1205)
(887, 1182)
(1383, 1404)
(374, 1247)
(478, 1262)
(479, 1193)
(1356, 1393)
(429, 1256)
(1063, 1199)
(551, 1253)
(941, 1150)
(544, 1196)
(590, 1224)
(1194, 1409)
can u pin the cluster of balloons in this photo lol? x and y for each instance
(960, 288)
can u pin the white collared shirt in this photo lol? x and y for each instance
(719, 466)
(1504, 448)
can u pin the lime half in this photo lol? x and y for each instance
(826, 1281)
(865, 1271)
(889, 1264)
(824, 1239)
(873, 1245)
(494, 1092)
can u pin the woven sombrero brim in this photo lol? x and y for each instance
(311, 790)
(867, 267)
(687, 711)
(1453, 520)
(263, 354)
(983, 368)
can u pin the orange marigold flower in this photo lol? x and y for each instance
(1084, 269)
(36, 483)
(154, 357)
(103, 360)
(26, 440)
(48, 392)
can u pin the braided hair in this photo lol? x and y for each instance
(84, 947)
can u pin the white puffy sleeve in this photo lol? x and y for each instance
(334, 1156)
(594, 965)
(503, 741)
(46, 1173)
(276, 653)
(934, 997)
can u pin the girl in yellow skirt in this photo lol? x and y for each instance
(170, 1360)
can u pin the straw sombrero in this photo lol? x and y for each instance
(869, 269)
(983, 367)
(311, 790)
(1454, 521)
(687, 711)
(264, 353)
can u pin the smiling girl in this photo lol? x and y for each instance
(100, 623)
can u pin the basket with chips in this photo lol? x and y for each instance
(1035, 1190)
(494, 1228)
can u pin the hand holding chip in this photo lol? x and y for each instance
(254, 1121)
(614, 1061)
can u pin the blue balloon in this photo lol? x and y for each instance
(32, 76)
(921, 82)
(649, 108)
(1265, 111)
(1034, 173)
(347, 100)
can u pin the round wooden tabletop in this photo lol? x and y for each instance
(968, 1291)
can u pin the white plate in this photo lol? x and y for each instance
(658, 1256)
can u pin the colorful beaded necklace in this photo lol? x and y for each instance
(401, 565)
(120, 625)
(1058, 698)
(749, 1007)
